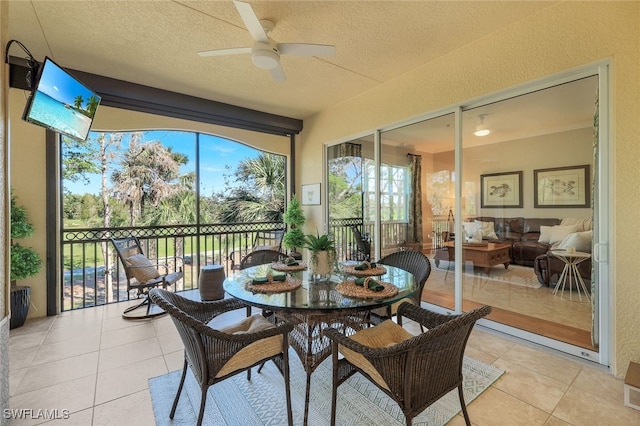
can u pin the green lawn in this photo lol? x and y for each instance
(90, 254)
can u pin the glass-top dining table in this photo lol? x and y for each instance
(314, 303)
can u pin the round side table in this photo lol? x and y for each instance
(210, 282)
(570, 272)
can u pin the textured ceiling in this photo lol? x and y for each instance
(155, 43)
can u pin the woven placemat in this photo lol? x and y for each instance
(289, 268)
(350, 289)
(275, 286)
(371, 272)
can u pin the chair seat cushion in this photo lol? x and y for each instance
(256, 351)
(141, 268)
(252, 324)
(386, 334)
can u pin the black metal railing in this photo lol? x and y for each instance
(343, 237)
(92, 275)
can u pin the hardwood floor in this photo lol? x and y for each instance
(553, 330)
(535, 310)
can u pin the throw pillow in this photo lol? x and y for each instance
(580, 240)
(469, 229)
(558, 232)
(141, 268)
(545, 234)
(584, 224)
(487, 229)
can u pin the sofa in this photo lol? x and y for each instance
(532, 238)
(522, 233)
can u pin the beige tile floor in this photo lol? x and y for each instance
(96, 365)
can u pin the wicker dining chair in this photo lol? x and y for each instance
(217, 354)
(260, 257)
(411, 261)
(414, 371)
(263, 240)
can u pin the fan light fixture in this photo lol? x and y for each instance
(265, 55)
(481, 129)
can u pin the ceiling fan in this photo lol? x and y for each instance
(265, 53)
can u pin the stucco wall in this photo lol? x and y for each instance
(121, 120)
(562, 37)
(28, 179)
(4, 285)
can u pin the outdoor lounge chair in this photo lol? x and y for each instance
(414, 371)
(363, 251)
(142, 275)
(217, 354)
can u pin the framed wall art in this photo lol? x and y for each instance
(501, 190)
(311, 194)
(562, 187)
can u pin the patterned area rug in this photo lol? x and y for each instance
(261, 401)
(522, 276)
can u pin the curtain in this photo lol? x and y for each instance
(595, 296)
(414, 233)
(346, 149)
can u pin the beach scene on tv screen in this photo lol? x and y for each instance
(62, 103)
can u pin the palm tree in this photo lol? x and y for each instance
(77, 102)
(92, 105)
(262, 194)
(149, 173)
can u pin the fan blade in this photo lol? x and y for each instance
(222, 52)
(277, 73)
(304, 49)
(251, 21)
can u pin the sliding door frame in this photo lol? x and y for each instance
(603, 255)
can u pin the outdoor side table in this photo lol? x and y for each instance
(570, 273)
(210, 282)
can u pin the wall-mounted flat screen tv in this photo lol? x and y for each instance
(61, 103)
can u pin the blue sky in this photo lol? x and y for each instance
(59, 85)
(215, 154)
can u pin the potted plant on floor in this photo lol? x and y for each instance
(25, 263)
(322, 254)
(294, 238)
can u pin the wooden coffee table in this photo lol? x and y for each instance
(485, 255)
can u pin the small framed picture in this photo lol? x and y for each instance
(310, 194)
(562, 187)
(501, 190)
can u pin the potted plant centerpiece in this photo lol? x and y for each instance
(294, 238)
(322, 254)
(25, 262)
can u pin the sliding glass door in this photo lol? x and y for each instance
(503, 196)
(417, 194)
(348, 184)
(528, 162)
